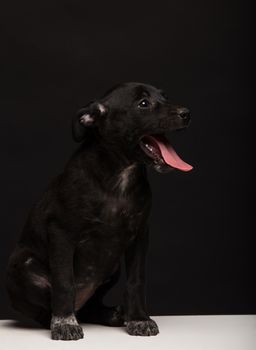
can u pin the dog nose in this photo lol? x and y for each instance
(184, 113)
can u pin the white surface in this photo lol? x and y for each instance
(176, 333)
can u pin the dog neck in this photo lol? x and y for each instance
(125, 178)
(116, 169)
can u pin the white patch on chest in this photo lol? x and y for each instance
(124, 178)
(28, 261)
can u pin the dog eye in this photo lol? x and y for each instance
(144, 103)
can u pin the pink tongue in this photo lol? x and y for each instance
(168, 153)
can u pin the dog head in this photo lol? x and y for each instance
(135, 117)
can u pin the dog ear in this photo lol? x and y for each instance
(87, 118)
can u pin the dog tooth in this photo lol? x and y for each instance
(148, 147)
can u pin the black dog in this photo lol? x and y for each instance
(68, 255)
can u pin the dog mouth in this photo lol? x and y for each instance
(164, 157)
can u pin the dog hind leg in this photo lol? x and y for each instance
(29, 287)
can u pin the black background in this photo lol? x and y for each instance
(58, 55)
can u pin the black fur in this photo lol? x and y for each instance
(68, 255)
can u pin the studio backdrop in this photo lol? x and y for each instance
(56, 56)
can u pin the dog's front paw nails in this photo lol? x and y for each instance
(67, 332)
(144, 328)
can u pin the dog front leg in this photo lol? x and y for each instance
(137, 319)
(64, 325)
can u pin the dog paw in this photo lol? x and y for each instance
(67, 332)
(143, 328)
(66, 328)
